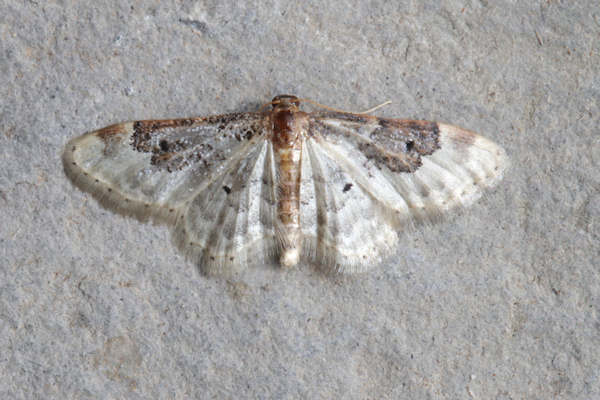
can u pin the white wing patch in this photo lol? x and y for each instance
(122, 179)
(230, 223)
(453, 176)
(465, 164)
(343, 225)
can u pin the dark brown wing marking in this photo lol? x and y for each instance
(178, 143)
(397, 144)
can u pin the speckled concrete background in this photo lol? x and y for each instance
(501, 302)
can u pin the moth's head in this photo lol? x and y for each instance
(285, 102)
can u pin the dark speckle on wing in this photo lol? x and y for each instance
(396, 144)
(400, 144)
(178, 143)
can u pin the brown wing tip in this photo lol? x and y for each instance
(459, 136)
(110, 131)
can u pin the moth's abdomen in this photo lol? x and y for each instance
(288, 127)
(289, 161)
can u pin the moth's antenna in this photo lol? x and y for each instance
(314, 103)
(370, 110)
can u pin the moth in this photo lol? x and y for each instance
(326, 187)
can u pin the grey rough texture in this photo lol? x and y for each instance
(500, 302)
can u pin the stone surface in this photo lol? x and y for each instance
(500, 302)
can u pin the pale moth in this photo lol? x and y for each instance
(327, 187)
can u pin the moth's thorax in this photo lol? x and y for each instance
(289, 125)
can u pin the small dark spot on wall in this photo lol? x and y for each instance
(195, 24)
(347, 187)
(227, 189)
